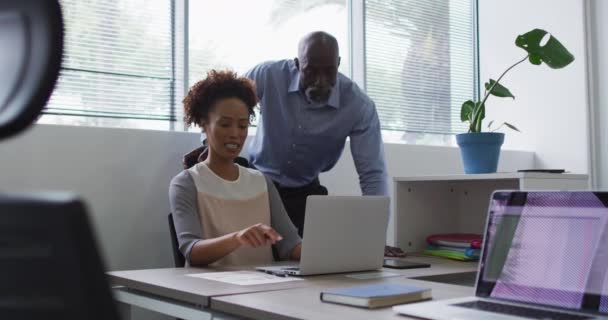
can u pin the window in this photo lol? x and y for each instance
(237, 34)
(118, 67)
(258, 31)
(130, 62)
(420, 60)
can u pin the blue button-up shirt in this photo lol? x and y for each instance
(296, 139)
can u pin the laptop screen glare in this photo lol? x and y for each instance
(547, 248)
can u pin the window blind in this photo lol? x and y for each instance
(420, 60)
(118, 60)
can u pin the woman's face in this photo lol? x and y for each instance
(226, 128)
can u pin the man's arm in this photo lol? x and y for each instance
(258, 75)
(368, 153)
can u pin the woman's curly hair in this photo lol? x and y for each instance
(218, 85)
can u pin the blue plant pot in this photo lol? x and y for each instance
(480, 151)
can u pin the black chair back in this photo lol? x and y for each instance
(50, 266)
(178, 258)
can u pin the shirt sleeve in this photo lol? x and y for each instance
(368, 152)
(258, 75)
(279, 220)
(182, 200)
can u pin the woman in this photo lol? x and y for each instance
(226, 214)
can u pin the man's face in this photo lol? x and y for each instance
(318, 73)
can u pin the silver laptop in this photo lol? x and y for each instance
(341, 234)
(545, 256)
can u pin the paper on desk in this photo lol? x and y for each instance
(243, 278)
(372, 275)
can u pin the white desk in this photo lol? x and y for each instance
(425, 205)
(171, 292)
(304, 303)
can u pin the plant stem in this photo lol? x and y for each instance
(502, 75)
(476, 124)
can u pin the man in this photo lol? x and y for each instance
(308, 110)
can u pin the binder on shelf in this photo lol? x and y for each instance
(461, 240)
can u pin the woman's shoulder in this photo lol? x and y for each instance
(182, 178)
(182, 183)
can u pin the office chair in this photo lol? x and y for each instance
(199, 154)
(178, 258)
(49, 264)
(31, 38)
(50, 267)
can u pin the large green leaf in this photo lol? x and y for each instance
(553, 53)
(465, 111)
(499, 90)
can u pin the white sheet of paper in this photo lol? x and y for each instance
(372, 275)
(243, 278)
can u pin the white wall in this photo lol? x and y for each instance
(124, 174)
(598, 80)
(551, 105)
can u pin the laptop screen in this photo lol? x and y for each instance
(547, 248)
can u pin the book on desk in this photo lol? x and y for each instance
(376, 295)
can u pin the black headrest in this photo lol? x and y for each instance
(31, 38)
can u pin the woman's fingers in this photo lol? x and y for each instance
(271, 234)
(259, 235)
(249, 240)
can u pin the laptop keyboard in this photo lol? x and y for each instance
(518, 311)
(291, 268)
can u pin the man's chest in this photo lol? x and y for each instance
(294, 116)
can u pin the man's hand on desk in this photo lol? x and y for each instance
(393, 252)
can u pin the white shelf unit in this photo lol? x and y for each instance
(425, 205)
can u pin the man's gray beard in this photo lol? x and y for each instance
(308, 93)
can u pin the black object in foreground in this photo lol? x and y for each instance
(49, 262)
(543, 170)
(403, 264)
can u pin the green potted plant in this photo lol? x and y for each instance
(480, 150)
